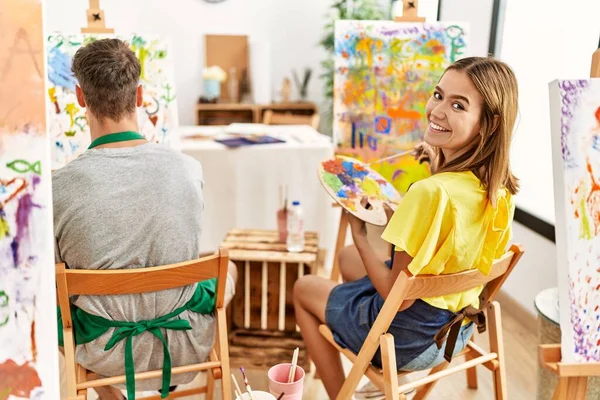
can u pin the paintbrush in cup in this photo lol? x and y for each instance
(237, 387)
(292, 373)
(248, 388)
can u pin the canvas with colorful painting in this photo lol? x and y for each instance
(69, 131)
(349, 181)
(385, 72)
(575, 116)
(28, 335)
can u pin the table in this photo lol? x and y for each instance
(263, 330)
(546, 304)
(241, 186)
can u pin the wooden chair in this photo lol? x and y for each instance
(112, 282)
(408, 287)
(275, 118)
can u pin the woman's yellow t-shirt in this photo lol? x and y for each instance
(447, 224)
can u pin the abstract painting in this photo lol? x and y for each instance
(385, 73)
(575, 114)
(349, 181)
(69, 130)
(28, 335)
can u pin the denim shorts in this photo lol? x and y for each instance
(352, 308)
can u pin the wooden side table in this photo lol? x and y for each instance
(263, 329)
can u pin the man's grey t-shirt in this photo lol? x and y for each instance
(133, 207)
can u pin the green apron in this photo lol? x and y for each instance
(88, 327)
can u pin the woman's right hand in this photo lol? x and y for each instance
(424, 153)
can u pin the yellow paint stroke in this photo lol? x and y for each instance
(52, 94)
(371, 187)
(72, 110)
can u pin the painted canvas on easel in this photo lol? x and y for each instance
(575, 113)
(28, 335)
(385, 73)
(69, 131)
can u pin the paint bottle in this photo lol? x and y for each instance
(295, 228)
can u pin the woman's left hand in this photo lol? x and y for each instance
(357, 225)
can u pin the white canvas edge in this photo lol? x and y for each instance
(562, 259)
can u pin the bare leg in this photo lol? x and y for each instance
(352, 267)
(310, 299)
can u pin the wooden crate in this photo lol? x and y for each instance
(263, 330)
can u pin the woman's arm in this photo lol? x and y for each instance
(380, 275)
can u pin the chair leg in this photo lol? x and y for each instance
(210, 385)
(223, 343)
(497, 346)
(424, 390)
(388, 358)
(471, 373)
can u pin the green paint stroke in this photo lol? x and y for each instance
(4, 304)
(332, 181)
(4, 393)
(168, 97)
(586, 230)
(23, 166)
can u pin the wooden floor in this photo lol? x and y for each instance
(521, 368)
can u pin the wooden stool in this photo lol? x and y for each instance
(263, 329)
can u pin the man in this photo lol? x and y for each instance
(127, 203)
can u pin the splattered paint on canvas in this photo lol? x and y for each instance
(69, 130)
(385, 73)
(27, 369)
(576, 147)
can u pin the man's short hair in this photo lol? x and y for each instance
(108, 72)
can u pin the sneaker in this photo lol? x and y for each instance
(371, 392)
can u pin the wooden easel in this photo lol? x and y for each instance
(572, 378)
(410, 13)
(95, 19)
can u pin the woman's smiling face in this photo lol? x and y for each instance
(454, 114)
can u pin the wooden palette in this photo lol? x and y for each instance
(348, 181)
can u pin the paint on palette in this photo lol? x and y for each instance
(69, 130)
(26, 282)
(578, 105)
(385, 73)
(348, 181)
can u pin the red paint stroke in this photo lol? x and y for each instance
(597, 114)
(333, 166)
(21, 379)
(154, 119)
(16, 185)
(33, 344)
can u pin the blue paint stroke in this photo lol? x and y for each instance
(59, 69)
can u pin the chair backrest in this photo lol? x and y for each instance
(140, 280)
(421, 286)
(276, 118)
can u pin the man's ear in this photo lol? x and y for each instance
(80, 98)
(139, 97)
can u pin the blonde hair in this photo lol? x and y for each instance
(488, 158)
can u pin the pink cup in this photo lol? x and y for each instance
(278, 377)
